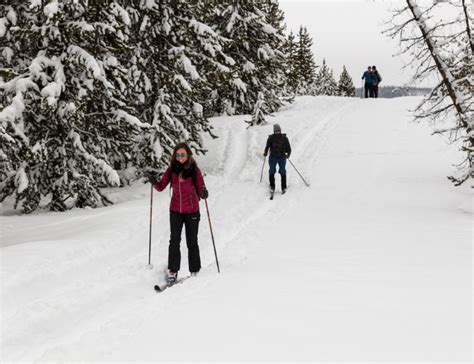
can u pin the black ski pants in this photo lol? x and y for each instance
(375, 91)
(366, 89)
(191, 223)
(369, 90)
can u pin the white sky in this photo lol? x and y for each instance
(349, 33)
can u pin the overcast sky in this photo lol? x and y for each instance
(349, 33)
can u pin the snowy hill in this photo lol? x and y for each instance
(372, 262)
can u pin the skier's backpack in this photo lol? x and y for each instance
(278, 144)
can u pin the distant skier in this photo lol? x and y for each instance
(369, 78)
(280, 150)
(188, 186)
(377, 80)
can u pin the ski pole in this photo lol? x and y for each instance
(263, 165)
(150, 266)
(307, 184)
(362, 90)
(212, 235)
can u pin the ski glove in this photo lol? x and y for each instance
(204, 193)
(153, 177)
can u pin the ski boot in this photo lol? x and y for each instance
(283, 184)
(171, 278)
(272, 186)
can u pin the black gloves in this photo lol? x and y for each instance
(152, 177)
(204, 193)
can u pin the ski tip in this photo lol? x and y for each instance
(157, 288)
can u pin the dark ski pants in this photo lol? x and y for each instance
(369, 90)
(191, 223)
(281, 161)
(375, 91)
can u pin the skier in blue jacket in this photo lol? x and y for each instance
(370, 79)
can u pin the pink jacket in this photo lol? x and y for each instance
(185, 198)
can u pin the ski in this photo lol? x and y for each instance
(166, 286)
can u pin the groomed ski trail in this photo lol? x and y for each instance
(294, 284)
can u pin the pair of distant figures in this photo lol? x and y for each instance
(372, 79)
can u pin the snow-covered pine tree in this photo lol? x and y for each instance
(64, 120)
(443, 46)
(175, 68)
(259, 112)
(255, 45)
(345, 86)
(325, 83)
(332, 84)
(305, 67)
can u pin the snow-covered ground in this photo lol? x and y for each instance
(372, 262)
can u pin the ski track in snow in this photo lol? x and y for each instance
(83, 280)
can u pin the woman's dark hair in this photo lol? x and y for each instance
(188, 152)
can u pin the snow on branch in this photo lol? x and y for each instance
(201, 28)
(130, 119)
(85, 58)
(189, 68)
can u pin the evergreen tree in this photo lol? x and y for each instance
(259, 112)
(325, 83)
(276, 18)
(65, 120)
(332, 89)
(346, 86)
(290, 61)
(305, 67)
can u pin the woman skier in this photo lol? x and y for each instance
(188, 187)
